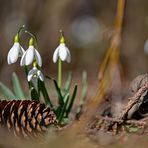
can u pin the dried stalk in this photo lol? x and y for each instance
(110, 61)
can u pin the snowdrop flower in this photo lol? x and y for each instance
(30, 55)
(62, 52)
(35, 73)
(15, 52)
(33, 76)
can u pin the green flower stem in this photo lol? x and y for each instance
(22, 28)
(59, 73)
(33, 37)
(17, 36)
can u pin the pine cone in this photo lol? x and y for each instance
(25, 118)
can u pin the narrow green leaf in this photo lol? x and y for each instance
(6, 91)
(43, 89)
(60, 97)
(26, 70)
(17, 87)
(65, 121)
(58, 111)
(70, 105)
(34, 94)
(83, 94)
(57, 90)
(68, 84)
(63, 110)
(48, 77)
(84, 86)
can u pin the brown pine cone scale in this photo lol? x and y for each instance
(26, 118)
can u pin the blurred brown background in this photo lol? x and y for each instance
(87, 25)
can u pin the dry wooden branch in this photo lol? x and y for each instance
(114, 124)
(133, 100)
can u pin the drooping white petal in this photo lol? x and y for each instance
(22, 62)
(29, 77)
(69, 56)
(33, 76)
(31, 73)
(22, 51)
(40, 75)
(56, 55)
(63, 52)
(38, 58)
(29, 57)
(13, 53)
(8, 59)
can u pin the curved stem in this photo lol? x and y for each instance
(62, 39)
(33, 36)
(61, 32)
(21, 29)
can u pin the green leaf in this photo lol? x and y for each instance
(17, 87)
(84, 86)
(58, 111)
(70, 105)
(68, 84)
(131, 128)
(60, 97)
(43, 89)
(48, 77)
(26, 70)
(65, 121)
(83, 94)
(6, 91)
(34, 94)
(63, 109)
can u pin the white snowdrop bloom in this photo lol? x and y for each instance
(30, 55)
(14, 53)
(62, 52)
(33, 76)
(35, 73)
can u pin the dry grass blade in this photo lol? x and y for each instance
(107, 70)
